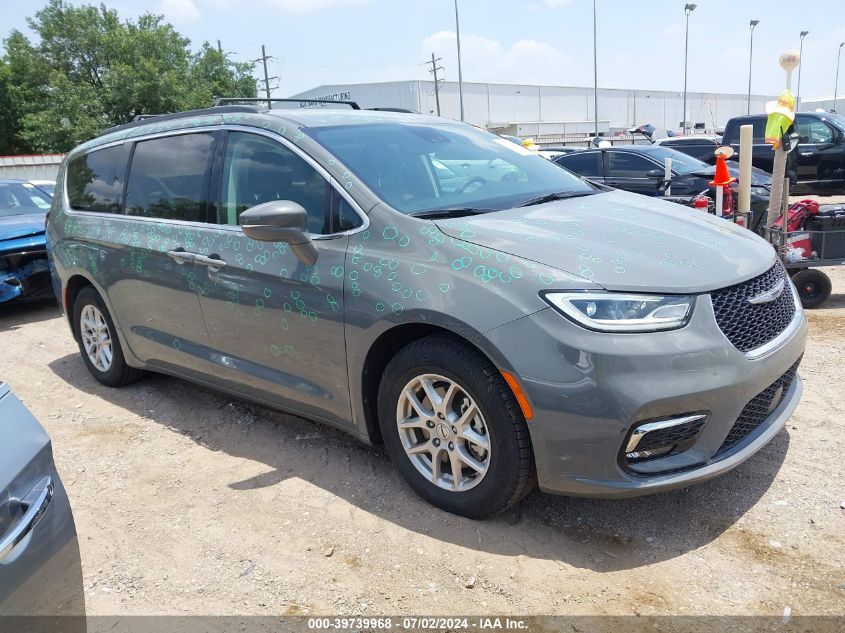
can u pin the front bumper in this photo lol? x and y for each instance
(588, 390)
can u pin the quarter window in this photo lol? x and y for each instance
(169, 177)
(257, 170)
(95, 180)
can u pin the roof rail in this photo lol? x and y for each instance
(220, 101)
(392, 109)
(142, 119)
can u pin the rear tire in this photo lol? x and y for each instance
(98, 342)
(813, 287)
(465, 448)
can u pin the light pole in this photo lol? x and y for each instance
(688, 8)
(752, 24)
(801, 54)
(836, 83)
(595, 75)
(460, 72)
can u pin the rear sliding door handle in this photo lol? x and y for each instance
(34, 505)
(214, 263)
(181, 256)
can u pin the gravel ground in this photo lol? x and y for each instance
(190, 502)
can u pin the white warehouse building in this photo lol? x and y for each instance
(547, 113)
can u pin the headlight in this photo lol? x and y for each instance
(616, 312)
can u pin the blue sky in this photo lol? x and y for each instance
(641, 43)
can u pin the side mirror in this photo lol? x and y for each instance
(792, 141)
(655, 173)
(280, 221)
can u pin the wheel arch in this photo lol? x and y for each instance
(73, 287)
(386, 345)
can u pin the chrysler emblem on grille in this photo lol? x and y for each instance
(769, 295)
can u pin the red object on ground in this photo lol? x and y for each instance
(701, 202)
(798, 214)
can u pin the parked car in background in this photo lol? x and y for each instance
(552, 152)
(24, 269)
(40, 570)
(640, 169)
(495, 331)
(817, 165)
(47, 186)
(700, 146)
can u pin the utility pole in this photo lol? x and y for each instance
(836, 83)
(219, 47)
(263, 59)
(751, 24)
(460, 72)
(800, 54)
(433, 70)
(595, 74)
(688, 8)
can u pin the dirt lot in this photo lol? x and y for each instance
(188, 502)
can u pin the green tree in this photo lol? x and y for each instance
(90, 70)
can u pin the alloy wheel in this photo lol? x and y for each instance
(96, 337)
(443, 432)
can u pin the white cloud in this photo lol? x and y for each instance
(307, 6)
(487, 60)
(179, 10)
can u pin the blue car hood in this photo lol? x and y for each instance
(623, 241)
(15, 226)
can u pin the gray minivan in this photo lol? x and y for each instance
(497, 322)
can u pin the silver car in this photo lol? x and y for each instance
(40, 570)
(494, 320)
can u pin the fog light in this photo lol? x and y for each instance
(650, 440)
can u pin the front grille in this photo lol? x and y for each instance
(758, 410)
(748, 326)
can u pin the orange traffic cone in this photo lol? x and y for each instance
(723, 176)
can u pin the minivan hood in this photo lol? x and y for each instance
(623, 241)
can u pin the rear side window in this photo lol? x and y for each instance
(732, 132)
(169, 177)
(587, 164)
(95, 180)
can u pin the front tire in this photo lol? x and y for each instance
(98, 343)
(454, 429)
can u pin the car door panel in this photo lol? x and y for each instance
(154, 296)
(275, 324)
(40, 570)
(627, 171)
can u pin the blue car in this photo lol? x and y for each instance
(24, 270)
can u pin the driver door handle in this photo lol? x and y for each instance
(34, 505)
(214, 263)
(181, 256)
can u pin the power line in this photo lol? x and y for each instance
(263, 59)
(433, 70)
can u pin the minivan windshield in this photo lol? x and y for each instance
(22, 198)
(425, 167)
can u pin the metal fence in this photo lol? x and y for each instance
(40, 167)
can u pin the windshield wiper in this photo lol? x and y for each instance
(560, 195)
(457, 212)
